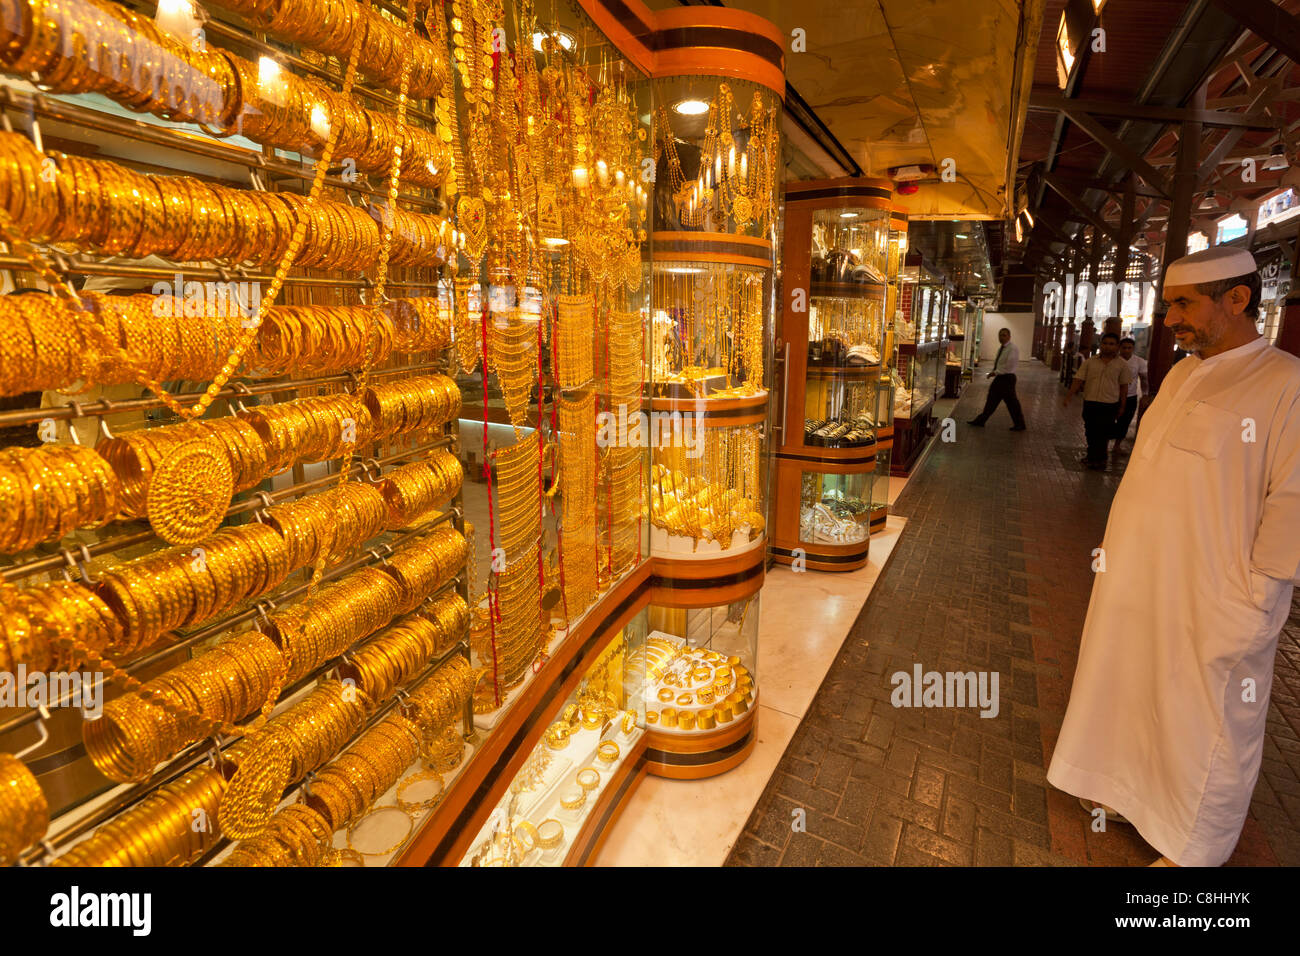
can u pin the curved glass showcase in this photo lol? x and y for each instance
(698, 687)
(837, 241)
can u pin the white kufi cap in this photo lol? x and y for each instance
(1210, 265)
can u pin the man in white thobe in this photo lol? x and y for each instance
(1166, 717)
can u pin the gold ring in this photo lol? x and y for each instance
(665, 694)
(607, 752)
(573, 799)
(588, 778)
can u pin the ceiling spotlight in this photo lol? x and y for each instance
(1209, 202)
(1276, 158)
(691, 107)
(1020, 232)
(1030, 216)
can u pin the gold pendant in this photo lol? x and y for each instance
(471, 216)
(190, 492)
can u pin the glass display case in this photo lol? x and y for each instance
(699, 687)
(587, 758)
(842, 249)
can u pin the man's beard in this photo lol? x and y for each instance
(1204, 338)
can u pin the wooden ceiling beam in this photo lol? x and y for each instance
(1267, 21)
(1049, 102)
(1083, 208)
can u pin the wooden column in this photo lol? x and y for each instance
(1161, 354)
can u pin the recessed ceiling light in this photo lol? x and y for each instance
(962, 235)
(691, 107)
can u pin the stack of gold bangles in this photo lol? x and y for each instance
(296, 836)
(335, 521)
(338, 614)
(135, 456)
(47, 491)
(450, 615)
(24, 813)
(50, 626)
(437, 702)
(128, 59)
(139, 730)
(391, 658)
(412, 404)
(316, 727)
(414, 491)
(173, 587)
(105, 207)
(173, 826)
(426, 563)
(315, 428)
(343, 791)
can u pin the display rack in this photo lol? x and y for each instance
(506, 254)
(837, 397)
(922, 347)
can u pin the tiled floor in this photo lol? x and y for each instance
(993, 574)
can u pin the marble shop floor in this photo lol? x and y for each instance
(985, 565)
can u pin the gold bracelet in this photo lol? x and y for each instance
(706, 719)
(652, 716)
(410, 825)
(530, 832)
(588, 778)
(573, 799)
(684, 700)
(607, 752)
(686, 720)
(705, 694)
(550, 834)
(665, 694)
(629, 722)
(592, 720)
(414, 806)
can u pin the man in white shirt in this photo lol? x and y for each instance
(1003, 386)
(1104, 379)
(1137, 388)
(1167, 713)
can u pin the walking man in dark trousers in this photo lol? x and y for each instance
(1003, 386)
(1104, 379)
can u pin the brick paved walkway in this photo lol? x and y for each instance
(992, 573)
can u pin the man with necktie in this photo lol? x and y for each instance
(1003, 386)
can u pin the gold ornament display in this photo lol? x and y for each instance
(190, 492)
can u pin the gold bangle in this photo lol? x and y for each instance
(588, 778)
(530, 832)
(665, 694)
(573, 799)
(686, 720)
(550, 834)
(591, 720)
(668, 717)
(336, 857)
(652, 716)
(414, 806)
(607, 752)
(629, 722)
(684, 700)
(706, 719)
(705, 694)
(410, 825)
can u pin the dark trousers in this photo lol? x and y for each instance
(1002, 389)
(1098, 425)
(1126, 418)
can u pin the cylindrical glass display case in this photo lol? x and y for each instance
(836, 327)
(698, 687)
(920, 355)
